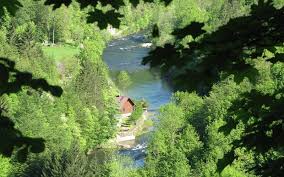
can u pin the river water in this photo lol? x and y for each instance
(126, 54)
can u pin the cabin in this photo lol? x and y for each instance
(126, 105)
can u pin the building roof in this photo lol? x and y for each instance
(124, 99)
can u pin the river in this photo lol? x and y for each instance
(126, 54)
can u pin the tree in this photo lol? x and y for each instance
(213, 56)
(24, 36)
(91, 128)
(137, 113)
(102, 18)
(123, 80)
(69, 163)
(164, 157)
(246, 47)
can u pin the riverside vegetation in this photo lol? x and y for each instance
(224, 58)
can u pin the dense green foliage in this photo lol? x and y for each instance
(137, 113)
(5, 166)
(190, 126)
(84, 114)
(59, 46)
(238, 124)
(226, 56)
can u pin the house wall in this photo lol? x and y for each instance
(127, 108)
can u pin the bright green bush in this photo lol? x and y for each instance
(6, 166)
(137, 113)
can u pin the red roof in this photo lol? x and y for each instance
(124, 99)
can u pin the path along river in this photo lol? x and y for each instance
(126, 54)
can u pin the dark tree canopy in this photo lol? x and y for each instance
(222, 52)
(11, 5)
(210, 57)
(262, 135)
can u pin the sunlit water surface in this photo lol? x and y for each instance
(126, 54)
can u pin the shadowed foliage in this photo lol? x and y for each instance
(204, 61)
(263, 116)
(103, 19)
(111, 17)
(11, 5)
(155, 31)
(12, 81)
(194, 29)
(21, 79)
(209, 57)
(222, 52)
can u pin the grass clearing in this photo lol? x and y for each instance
(60, 52)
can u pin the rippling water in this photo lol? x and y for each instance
(126, 54)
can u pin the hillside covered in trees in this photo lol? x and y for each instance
(223, 58)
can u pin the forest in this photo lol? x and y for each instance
(224, 60)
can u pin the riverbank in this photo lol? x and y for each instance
(126, 54)
(126, 139)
